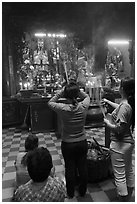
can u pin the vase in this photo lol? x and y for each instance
(94, 116)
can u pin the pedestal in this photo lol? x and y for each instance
(36, 114)
(10, 112)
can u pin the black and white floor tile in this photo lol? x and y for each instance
(13, 142)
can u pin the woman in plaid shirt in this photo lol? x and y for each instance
(42, 187)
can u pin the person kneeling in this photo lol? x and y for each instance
(42, 187)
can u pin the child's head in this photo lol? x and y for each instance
(31, 142)
(39, 164)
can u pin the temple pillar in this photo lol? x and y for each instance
(5, 66)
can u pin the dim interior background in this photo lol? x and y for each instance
(45, 42)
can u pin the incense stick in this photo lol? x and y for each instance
(65, 68)
(102, 109)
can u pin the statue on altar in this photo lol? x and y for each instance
(41, 56)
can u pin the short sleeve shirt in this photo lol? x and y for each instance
(53, 191)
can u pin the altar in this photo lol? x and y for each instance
(47, 64)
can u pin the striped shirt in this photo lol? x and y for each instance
(121, 116)
(72, 117)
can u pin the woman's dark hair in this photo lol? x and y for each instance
(128, 85)
(31, 143)
(39, 164)
(71, 91)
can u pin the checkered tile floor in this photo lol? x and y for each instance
(13, 142)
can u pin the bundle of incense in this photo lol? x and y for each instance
(65, 68)
(102, 109)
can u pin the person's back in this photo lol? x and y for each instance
(73, 121)
(72, 113)
(42, 187)
(53, 190)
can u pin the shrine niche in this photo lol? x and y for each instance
(40, 60)
(117, 62)
(47, 57)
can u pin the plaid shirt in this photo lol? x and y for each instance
(53, 191)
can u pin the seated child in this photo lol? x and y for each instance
(22, 175)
